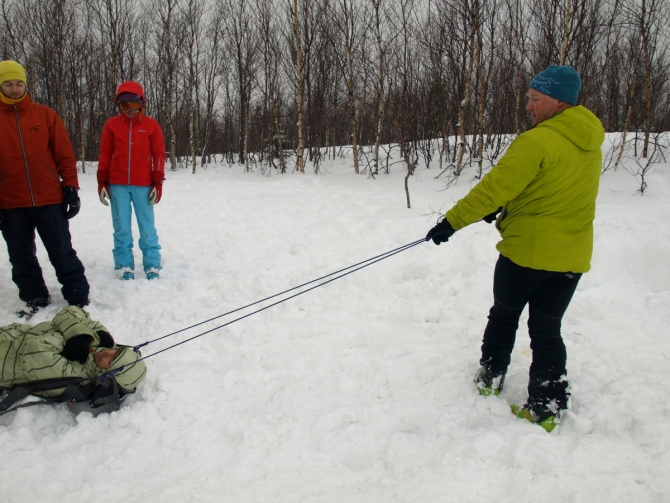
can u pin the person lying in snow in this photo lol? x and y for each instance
(71, 345)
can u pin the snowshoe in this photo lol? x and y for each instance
(547, 419)
(488, 381)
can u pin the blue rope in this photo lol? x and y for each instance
(350, 269)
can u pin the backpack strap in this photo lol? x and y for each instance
(19, 391)
(95, 396)
(12, 397)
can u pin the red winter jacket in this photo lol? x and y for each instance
(130, 149)
(36, 156)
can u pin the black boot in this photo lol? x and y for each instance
(32, 306)
(548, 393)
(489, 381)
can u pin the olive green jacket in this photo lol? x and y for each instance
(547, 183)
(32, 353)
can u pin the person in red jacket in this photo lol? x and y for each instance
(38, 191)
(131, 172)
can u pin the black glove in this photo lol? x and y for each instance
(441, 232)
(106, 340)
(76, 348)
(491, 217)
(71, 202)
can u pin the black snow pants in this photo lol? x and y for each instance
(548, 295)
(18, 229)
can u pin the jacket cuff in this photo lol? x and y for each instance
(157, 177)
(103, 175)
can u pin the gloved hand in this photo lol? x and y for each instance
(106, 340)
(156, 193)
(103, 187)
(441, 232)
(71, 202)
(76, 348)
(491, 217)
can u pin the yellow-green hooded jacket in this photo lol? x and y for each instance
(32, 353)
(547, 183)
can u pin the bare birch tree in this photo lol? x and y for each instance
(300, 14)
(346, 18)
(517, 26)
(646, 16)
(470, 13)
(193, 12)
(242, 50)
(384, 38)
(167, 49)
(271, 49)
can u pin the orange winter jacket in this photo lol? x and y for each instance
(130, 150)
(36, 156)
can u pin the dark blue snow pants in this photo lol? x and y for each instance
(18, 229)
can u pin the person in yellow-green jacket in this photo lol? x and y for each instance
(543, 192)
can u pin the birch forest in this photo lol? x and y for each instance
(278, 85)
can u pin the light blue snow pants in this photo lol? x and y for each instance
(122, 196)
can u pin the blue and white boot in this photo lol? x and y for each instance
(127, 273)
(152, 273)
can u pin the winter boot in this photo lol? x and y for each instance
(548, 391)
(80, 302)
(547, 397)
(32, 306)
(127, 272)
(489, 381)
(152, 274)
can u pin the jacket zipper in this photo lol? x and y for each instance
(130, 142)
(25, 158)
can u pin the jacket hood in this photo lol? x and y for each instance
(134, 371)
(578, 125)
(130, 87)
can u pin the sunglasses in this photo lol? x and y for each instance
(130, 105)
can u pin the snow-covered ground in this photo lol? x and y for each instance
(361, 390)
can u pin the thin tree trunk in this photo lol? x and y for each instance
(566, 32)
(82, 146)
(246, 142)
(191, 131)
(465, 102)
(481, 98)
(405, 150)
(625, 127)
(519, 39)
(647, 86)
(352, 106)
(300, 91)
(170, 89)
(380, 84)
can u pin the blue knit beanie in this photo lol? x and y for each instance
(560, 82)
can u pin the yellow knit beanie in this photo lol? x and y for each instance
(11, 70)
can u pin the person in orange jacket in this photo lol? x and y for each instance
(38, 191)
(131, 172)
